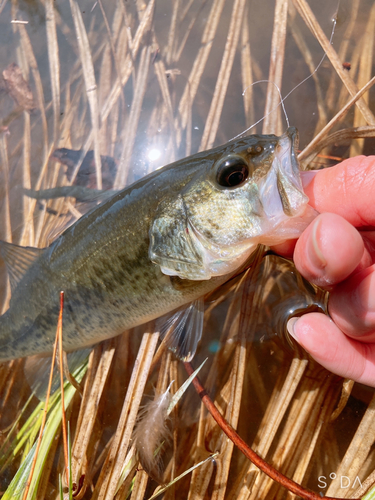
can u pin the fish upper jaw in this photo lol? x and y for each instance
(281, 194)
(280, 191)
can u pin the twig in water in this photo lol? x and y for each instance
(265, 467)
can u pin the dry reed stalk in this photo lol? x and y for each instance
(347, 387)
(29, 57)
(177, 54)
(200, 61)
(232, 416)
(248, 479)
(230, 396)
(308, 153)
(90, 83)
(98, 370)
(342, 136)
(355, 59)
(275, 75)
(309, 18)
(111, 44)
(358, 450)
(235, 388)
(27, 238)
(172, 42)
(247, 73)
(10, 378)
(364, 75)
(43, 226)
(140, 484)
(127, 67)
(256, 382)
(104, 87)
(54, 66)
(173, 365)
(111, 471)
(369, 482)
(6, 232)
(331, 94)
(70, 105)
(207, 427)
(303, 467)
(306, 54)
(130, 130)
(161, 75)
(299, 438)
(214, 114)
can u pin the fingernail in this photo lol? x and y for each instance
(307, 176)
(314, 251)
(290, 326)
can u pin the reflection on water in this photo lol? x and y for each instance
(144, 88)
(286, 295)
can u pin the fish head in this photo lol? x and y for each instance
(245, 193)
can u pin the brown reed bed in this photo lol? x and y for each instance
(127, 78)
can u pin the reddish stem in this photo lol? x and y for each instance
(64, 426)
(44, 418)
(245, 448)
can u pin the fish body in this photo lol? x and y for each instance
(155, 246)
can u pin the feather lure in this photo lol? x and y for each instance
(151, 432)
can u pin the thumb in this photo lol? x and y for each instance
(347, 189)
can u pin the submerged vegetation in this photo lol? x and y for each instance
(147, 83)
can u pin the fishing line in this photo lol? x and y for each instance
(272, 110)
(334, 23)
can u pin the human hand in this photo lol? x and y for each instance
(337, 252)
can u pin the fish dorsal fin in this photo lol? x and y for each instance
(182, 329)
(37, 369)
(17, 260)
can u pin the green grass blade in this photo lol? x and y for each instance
(16, 488)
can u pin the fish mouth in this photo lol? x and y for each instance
(289, 183)
(281, 191)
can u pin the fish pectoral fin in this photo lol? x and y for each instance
(37, 370)
(182, 329)
(17, 260)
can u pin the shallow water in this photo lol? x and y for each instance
(146, 136)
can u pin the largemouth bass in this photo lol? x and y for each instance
(158, 245)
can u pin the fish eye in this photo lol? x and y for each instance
(232, 171)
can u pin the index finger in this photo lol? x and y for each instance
(346, 189)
